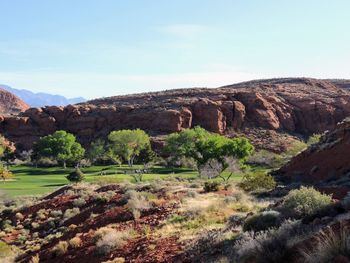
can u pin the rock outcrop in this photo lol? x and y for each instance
(276, 107)
(10, 103)
(325, 164)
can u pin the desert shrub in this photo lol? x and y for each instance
(41, 214)
(305, 201)
(35, 225)
(136, 202)
(262, 221)
(257, 181)
(112, 240)
(56, 213)
(71, 212)
(60, 249)
(75, 176)
(211, 186)
(329, 245)
(192, 194)
(75, 242)
(79, 202)
(271, 245)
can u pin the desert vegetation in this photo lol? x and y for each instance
(203, 197)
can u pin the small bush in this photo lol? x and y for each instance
(75, 176)
(79, 202)
(75, 242)
(112, 240)
(56, 213)
(305, 201)
(262, 221)
(211, 186)
(270, 245)
(60, 249)
(136, 203)
(257, 181)
(71, 212)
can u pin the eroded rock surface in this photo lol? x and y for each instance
(277, 106)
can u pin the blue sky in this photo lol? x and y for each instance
(110, 47)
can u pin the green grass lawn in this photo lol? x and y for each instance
(35, 181)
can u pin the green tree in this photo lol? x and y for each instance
(128, 144)
(61, 146)
(203, 146)
(97, 151)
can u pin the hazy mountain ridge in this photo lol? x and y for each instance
(41, 99)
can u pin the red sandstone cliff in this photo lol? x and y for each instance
(264, 110)
(10, 103)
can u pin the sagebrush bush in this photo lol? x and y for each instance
(136, 203)
(211, 186)
(262, 221)
(112, 240)
(71, 212)
(271, 245)
(257, 181)
(305, 201)
(79, 202)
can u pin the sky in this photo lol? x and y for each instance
(97, 48)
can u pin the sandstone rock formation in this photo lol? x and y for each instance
(268, 107)
(326, 164)
(10, 103)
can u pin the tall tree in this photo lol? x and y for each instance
(204, 146)
(128, 143)
(61, 146)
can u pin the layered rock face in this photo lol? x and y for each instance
(10, 103)
(277, 106)
(325, 164)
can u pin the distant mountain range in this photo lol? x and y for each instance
(42, 99)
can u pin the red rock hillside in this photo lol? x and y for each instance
(10, 103)
(269, 112)
(325, 164)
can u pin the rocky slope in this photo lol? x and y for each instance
(10, 103)
(325, 164)
(266, 111)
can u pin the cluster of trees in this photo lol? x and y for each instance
(212, 153)
(123, 145)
